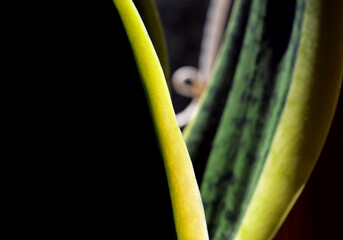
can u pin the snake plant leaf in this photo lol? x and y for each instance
(149, 13)
(305, 122)
(200, 132)
(236, 128)
(138, 182)
(185, 196)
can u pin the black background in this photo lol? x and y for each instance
(88, 132)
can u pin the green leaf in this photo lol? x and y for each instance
(185, 196)
(237, 124)
(149, 13)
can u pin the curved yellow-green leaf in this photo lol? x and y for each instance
(149, 14)
(305, 122)
(188, 211)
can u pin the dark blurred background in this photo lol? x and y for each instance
(183, 22)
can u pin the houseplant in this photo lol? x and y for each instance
(292, 140)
